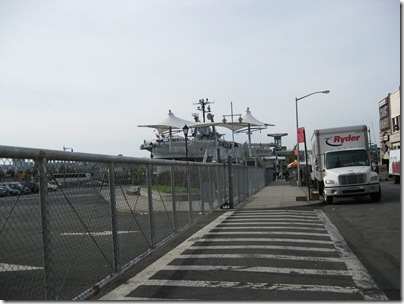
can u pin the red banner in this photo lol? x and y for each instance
(300, 135)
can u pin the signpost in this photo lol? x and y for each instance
(300, 135)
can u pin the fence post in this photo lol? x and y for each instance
(46, 236)
(189, 193)
(211, 189)
(217, 186)
(230, 172)
(239, 174)
(201, 189)
(115, 242)
(224, 185)
(151, 211)
(172, 177)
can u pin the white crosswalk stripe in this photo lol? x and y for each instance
(261, 269)
(231, 247)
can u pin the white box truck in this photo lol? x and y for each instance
(341, 166)
(395, 165)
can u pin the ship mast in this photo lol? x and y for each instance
(202, 107)
(232, 122)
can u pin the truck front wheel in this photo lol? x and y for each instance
(328, 199)
(375, 197)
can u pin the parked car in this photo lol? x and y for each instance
(3, 191)
(94, 184)
(33, 186)
(18, 186)
(52, 187)
(10, 191)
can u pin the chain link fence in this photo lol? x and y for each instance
(71, 223)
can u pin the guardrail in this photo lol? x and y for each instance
(66, 236)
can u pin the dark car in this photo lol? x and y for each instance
(33, 186)
(94, 184)
(3, 191)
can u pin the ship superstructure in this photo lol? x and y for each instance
(203, 142)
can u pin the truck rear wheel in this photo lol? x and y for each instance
(375, 197)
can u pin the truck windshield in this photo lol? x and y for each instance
(339, 159)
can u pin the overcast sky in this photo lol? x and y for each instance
(85, 73)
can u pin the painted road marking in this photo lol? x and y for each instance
(249, 285)
(268, 227)
(259, 256)
(265, 240)
(360, 275)
(218, 234)
(290, 216)
(260, 269)
(99, 233)
(265, 220)
(13, 267)
(121, 292)
(232, 247)
(267, 232)
(285, 222)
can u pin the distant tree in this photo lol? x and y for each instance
(10, 173)
(290, 158)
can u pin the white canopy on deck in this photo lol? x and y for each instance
(170, 123)
(245, 124)
(251, 123)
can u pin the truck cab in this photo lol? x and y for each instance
(347, 173)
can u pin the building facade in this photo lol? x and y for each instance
(389, 125)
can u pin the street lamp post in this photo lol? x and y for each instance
(185, 129)
(297, 126)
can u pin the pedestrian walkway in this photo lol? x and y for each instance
(266, 249)
(279, 194)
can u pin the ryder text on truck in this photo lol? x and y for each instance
(341, 165)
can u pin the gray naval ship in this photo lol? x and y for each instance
(179, 139)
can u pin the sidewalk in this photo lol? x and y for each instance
(278, 194)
